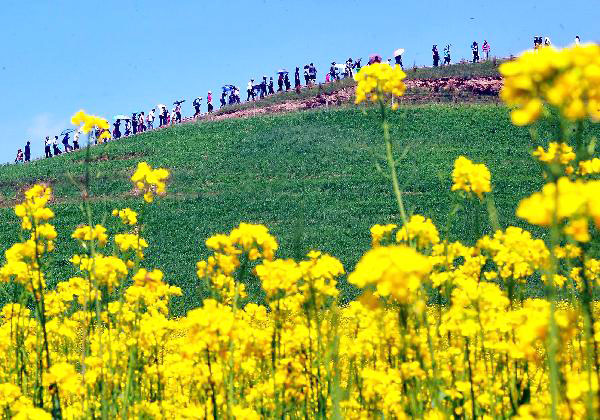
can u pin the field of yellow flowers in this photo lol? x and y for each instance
(442, 329)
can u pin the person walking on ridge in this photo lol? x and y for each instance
(475, 50)
(47, 145)
(55, 148)
(297, 83)
(197, 102)
(76, 140)
(19, 158)
(436, 56)
(250, 90)
(117, 129)
(65, 142)
(486, 50)
(151, 118)
(447, 58)
(28, 151)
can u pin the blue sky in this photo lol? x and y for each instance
(111, 57)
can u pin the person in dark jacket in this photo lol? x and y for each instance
(475, 49)
(286, 80)
(263, 87)
(297, 83)
(28, 152)
(117, 129)
(271, 87)
(134, 123)
(436, 56)
(65, 142)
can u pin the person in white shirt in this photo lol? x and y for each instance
(250, 90)
(76, 140)
(55, 146)
(577, 40)
(151, 120)
(47, 147)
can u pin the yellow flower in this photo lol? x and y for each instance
(397, 270)
(470, 177)
(377, 79)
(89, 122)
(557, 152)
(419, 229)
(566, 79)
(127, 216)
(86, 233)
(150, 181)
(380, 233)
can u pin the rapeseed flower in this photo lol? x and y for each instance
(470, 177)
(376, 80)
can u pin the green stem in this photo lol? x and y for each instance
(391, 162)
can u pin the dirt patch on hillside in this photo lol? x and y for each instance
(479, 86)
(418, 91)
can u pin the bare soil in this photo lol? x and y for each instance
(449, 89)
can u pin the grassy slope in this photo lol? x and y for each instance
(312, 170)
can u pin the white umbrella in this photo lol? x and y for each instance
(161, 105)
(121, 117)
(398, 52)
(341, 66)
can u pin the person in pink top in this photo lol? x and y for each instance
(486, 49)
(209, 101)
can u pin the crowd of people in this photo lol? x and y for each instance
(140, 122)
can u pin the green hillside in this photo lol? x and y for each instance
(310, 177)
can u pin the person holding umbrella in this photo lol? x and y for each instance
(65, 142)
(177, 110)
(280, 82)
(28, 152)
(271, 88)
(197, 102)
(398, 56)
